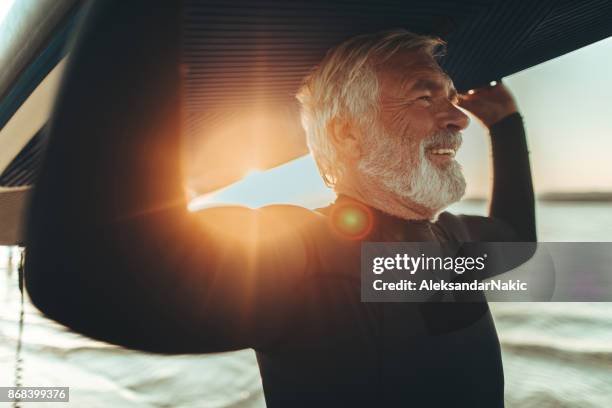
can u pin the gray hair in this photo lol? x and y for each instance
(344, 85)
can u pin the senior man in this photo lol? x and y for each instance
(128, 264)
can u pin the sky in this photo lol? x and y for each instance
(568, 112)
(5, 5)
(567, 109)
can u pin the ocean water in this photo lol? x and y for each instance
(555, 354)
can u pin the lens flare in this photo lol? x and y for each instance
(352, 220)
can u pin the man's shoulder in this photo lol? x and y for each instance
(316, 223)
(327, 249)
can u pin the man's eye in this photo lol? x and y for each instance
(426, 98)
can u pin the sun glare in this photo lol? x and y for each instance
(5, 6)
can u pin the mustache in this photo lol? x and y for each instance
(446, 139)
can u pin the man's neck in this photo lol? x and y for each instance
(386, 202)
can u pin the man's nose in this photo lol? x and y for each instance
(454, 119)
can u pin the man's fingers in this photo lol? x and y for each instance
(484, 90)
(466, 101)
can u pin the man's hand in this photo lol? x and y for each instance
(489, 104)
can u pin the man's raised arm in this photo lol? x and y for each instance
(512, 200)
(112, 251)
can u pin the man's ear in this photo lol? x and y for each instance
(346, 137)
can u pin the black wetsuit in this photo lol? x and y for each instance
(340, 352)
(113, 252)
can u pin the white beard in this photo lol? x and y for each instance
(393, 164)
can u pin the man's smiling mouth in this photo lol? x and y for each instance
(448, 152)
(442, 154)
